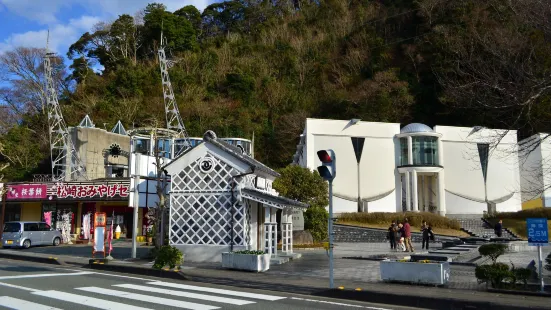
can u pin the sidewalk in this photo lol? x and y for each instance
(309, 275)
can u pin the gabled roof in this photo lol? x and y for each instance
(119, 129)
(210, 137)
(86, 122)
(278, 200)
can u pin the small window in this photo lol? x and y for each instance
(44, 227)
(31, 226)
(12, 227)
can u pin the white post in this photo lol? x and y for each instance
(136, 204)
(410, 151)
(408, 192)
(415, 207)
(331, 285)
(542, 284)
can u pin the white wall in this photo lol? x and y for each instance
(377, 163)
(464, 171)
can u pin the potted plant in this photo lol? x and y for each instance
(246, 260)
(149, 235)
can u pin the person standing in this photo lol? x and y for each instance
(427, 233)
(498, 228)
(392, 235)
(407, 236)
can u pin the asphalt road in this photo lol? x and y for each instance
(25, 285)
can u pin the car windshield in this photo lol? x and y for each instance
(12, 227)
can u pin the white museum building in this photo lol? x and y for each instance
(222, 200)
(453, 171)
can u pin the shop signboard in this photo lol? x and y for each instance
(91, 190)
(100, 221)
(26, 191)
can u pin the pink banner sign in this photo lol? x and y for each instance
(27, 191)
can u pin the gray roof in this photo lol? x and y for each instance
(280, 199)
(210, 137)
(416, 127)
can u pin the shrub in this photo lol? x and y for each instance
(548, 262)
(524, 214)
(522, 274)
(249, 252)
(493, 250)
(414, 218)
(168, 255)
(494, 274)
(316, 221)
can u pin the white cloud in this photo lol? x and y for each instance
(61, 36)
(43, 12)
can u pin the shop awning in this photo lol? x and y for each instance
(271, 200)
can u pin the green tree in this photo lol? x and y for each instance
(20, 153)
(178, 30)
(309, 187)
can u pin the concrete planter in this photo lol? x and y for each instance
(435, 273)
(249, 262)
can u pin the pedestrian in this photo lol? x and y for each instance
(426, 229)
(498, 228)
(400, 237)
(407, 236)
(392, 235)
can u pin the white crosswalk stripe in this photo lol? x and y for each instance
(87, 300)
(186, 294)
(19, 304)
(150, 295)
(216, 291)
(147, 298)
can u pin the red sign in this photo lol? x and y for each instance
(92, 191)
(27, 191)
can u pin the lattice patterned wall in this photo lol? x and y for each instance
(200, 202)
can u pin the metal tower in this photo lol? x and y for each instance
(174, 120)
(66, 166)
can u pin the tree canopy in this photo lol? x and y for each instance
(262, 67)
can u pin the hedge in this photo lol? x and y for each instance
(414, 219)
(524, 214)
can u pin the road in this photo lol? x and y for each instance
(27, 286)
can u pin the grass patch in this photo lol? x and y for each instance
(440, 231)
(415, 219)
(516, 221)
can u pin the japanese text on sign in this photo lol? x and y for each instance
(89, 191)
(537, 231)
(26, 191)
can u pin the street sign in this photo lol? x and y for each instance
(538, 233)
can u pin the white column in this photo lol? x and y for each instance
(408, 192)
(273, 219)
(428, 194)
(414, 196)
(410, 151)
(440, 152)
(441, 194)
(423, 201)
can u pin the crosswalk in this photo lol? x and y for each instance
(149, 295)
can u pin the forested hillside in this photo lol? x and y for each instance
(264, 66)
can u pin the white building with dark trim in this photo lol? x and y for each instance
(453, 171)
(222, 200)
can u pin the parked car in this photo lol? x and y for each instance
(27, 234)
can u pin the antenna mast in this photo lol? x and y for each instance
(174, 120)
(66, 166)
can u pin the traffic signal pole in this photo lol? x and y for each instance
(331, 284)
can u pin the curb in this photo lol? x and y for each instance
(415, 301)
(163, 273)
(36, 259)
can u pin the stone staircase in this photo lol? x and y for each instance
(345, 233)
(482, 229)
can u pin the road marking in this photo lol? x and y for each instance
(216, 291)
(19, 304)
(43, 275)
(186, 294)
(88, 301)
(147, 298)
(18, 287)
(339, 304)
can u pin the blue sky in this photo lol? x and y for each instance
(25, 22)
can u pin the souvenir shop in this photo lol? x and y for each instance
(70, 207)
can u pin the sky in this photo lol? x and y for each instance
(26, 22)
